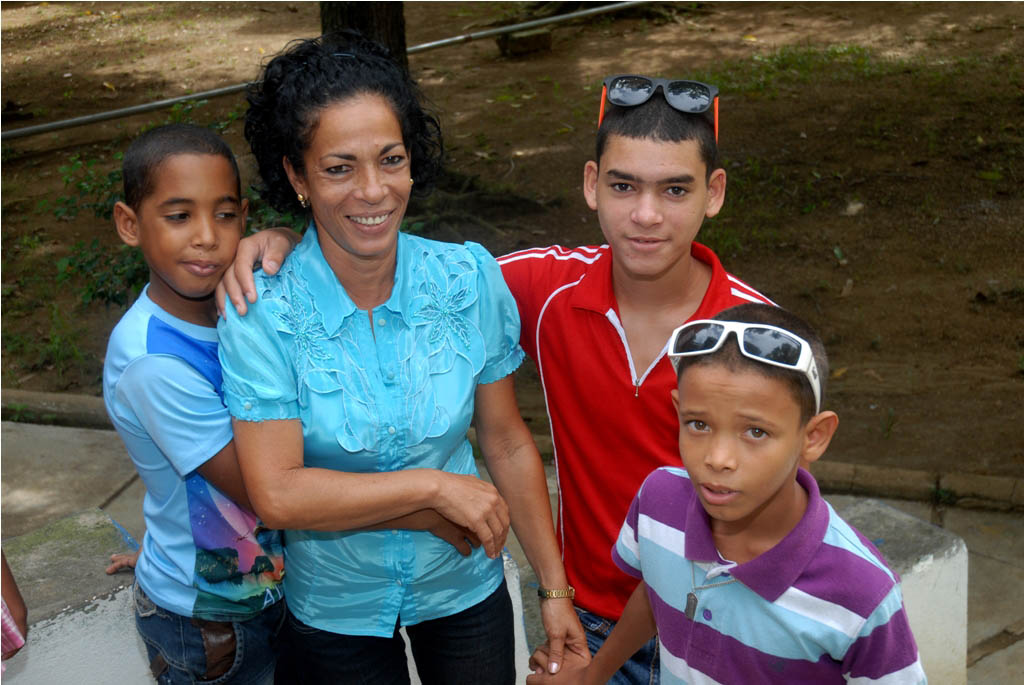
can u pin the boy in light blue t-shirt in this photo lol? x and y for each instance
(208, 578)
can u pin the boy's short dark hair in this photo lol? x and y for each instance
(658, 120)
(730, 356)
(148, 151)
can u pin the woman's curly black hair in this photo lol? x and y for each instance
(307, 76)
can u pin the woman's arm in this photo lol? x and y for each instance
(286, 494)
(631, 632)
(223, 471)
(515, 466)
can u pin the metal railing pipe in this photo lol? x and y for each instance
(488, 33)
(118, 113)
(26, 131)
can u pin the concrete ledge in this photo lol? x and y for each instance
(52, 472)
(60, 567)
(882, 481)
(877, 481)
(80, 620)
(978, 491)
(58, 409)
(967, 490)
(932, 564)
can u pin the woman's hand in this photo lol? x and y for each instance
(268, 247)
(475, 505)
(573, 671)
(567, 642)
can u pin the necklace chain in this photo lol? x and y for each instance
(691, 597)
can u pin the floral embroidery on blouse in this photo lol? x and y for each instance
(443, 315)
(307, 328)
(447, 286)
(436, 289)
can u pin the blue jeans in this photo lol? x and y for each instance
(474, 646)
(184, 650)
(643, 668)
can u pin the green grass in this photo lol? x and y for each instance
(57, 349)
(789, 66)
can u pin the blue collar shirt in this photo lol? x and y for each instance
(395, 396)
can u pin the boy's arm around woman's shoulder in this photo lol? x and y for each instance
(268, 248)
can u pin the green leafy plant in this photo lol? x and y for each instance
(262, 215)
(943, 497)
(90, 187)
(112, 276)
(57, 349)
(61, 347)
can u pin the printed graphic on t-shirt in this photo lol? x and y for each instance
(238, 562)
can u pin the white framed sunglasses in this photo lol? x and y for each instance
(763, 343)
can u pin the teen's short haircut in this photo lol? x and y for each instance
(148, 151)
(730, 356)
(309, 75)
(657, 120)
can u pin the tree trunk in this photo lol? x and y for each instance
(383, 22)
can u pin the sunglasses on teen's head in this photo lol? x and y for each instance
(630, 90)
(760, 342)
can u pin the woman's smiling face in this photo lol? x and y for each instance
(357, 179)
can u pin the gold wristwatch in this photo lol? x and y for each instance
(563, 593)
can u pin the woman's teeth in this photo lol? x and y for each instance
(370, 220)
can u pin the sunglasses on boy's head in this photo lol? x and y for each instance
(760, 342)
(692, 97)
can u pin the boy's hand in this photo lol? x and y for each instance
(572, 671)
(429, 520)
(119, 562)
(458, 537)
(268, 247)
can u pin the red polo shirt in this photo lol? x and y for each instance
(611, 425)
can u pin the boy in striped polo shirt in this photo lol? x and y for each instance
(747, 574)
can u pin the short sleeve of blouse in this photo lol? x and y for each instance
(499, 318)
(259, 376)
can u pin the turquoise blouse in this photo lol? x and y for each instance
(402, 399)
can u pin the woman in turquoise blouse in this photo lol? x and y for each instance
(354, 378)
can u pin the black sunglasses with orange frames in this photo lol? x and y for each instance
(630, 90)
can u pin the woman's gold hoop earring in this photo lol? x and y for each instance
(302, 200)
(411, 181)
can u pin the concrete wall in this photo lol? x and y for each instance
(932, 563)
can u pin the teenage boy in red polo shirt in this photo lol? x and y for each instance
(596, 320)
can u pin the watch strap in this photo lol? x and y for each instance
(561, 593)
